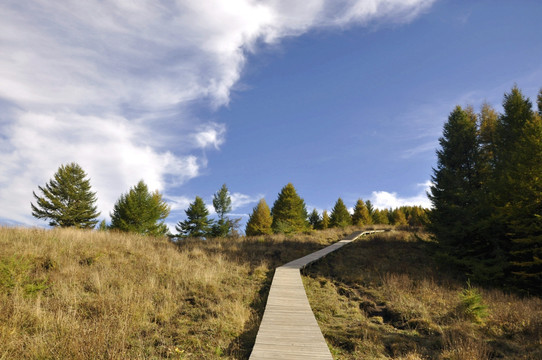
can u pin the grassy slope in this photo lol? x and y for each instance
(90, 295)
(387, 298)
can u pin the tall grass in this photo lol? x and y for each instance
(73, 294)
(387, 298)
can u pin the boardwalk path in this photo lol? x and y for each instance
(289, 329)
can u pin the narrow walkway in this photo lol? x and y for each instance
(289, 329)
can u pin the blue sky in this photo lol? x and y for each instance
(340, 97)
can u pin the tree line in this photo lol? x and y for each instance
(68, 201)
(487, 192)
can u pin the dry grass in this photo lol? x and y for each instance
(387, 299)
(71, 294)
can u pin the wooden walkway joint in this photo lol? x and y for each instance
(289, 329)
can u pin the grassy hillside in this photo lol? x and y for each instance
(388, 298)
(97, 295)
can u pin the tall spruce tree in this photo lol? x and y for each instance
(260, 220)
(289, 212)
(517, 190)
(140, 211)
(361, 215)
(197, 224)
(67, 199)
(340, 217)
(456, 186)
(222, 204)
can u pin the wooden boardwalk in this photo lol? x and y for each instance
(289, 329)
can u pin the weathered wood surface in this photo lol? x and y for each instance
(289, 329)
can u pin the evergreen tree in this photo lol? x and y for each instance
(314, 219)
(222, 205)
(361, 214)
(517, 190)
(197, 224)
(140, 211)
(417, 216)
(340, 217)
(67, 199)
(260, 220)
(370, 207)
(325, 220)
(456, 185)
(289, 212)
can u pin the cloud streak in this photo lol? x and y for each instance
(111, 84)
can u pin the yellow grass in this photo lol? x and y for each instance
(387, 298)
(73, 294)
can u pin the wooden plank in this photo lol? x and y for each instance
(289, 329)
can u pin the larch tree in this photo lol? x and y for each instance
(361, 215)
(140, 211)
(197, 224)
(67, 200)
(340, 217)
(289, 212)
(325, 220)
(260, 220)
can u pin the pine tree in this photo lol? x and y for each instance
(67, 199)
(398, 217)
(325, 220)
(314, 219)
(197, 224)
(260, 220)
(340, 217)
(289, 212)
(361, 214)
(140, 211)
(222, 205)
(370, 207)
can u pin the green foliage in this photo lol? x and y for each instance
(289, 212)
(67, 199)
(197, 224)
(472, 305)
(380, 217)
(397, 217)
(325, 220)
(487, 192)
(260, 220)
(222, 204)
(361, 215)
(340, 217)
(314, 219)
(16, 272)
(140, 211)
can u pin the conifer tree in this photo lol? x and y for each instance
(314, 219)
(325, 220)
(517, 190)
(289, 212)
(340, 217)
(398, 217)
(197, 224)
(380, 217)
(222, 205)
(260, 220)
(361, 214)
(456, 184)
(370, 207)
(140, 211)
(67, 199)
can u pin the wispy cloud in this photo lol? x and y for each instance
(110, 84)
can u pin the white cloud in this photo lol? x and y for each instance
(239, 200)
(99, 82)
(386, 200)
